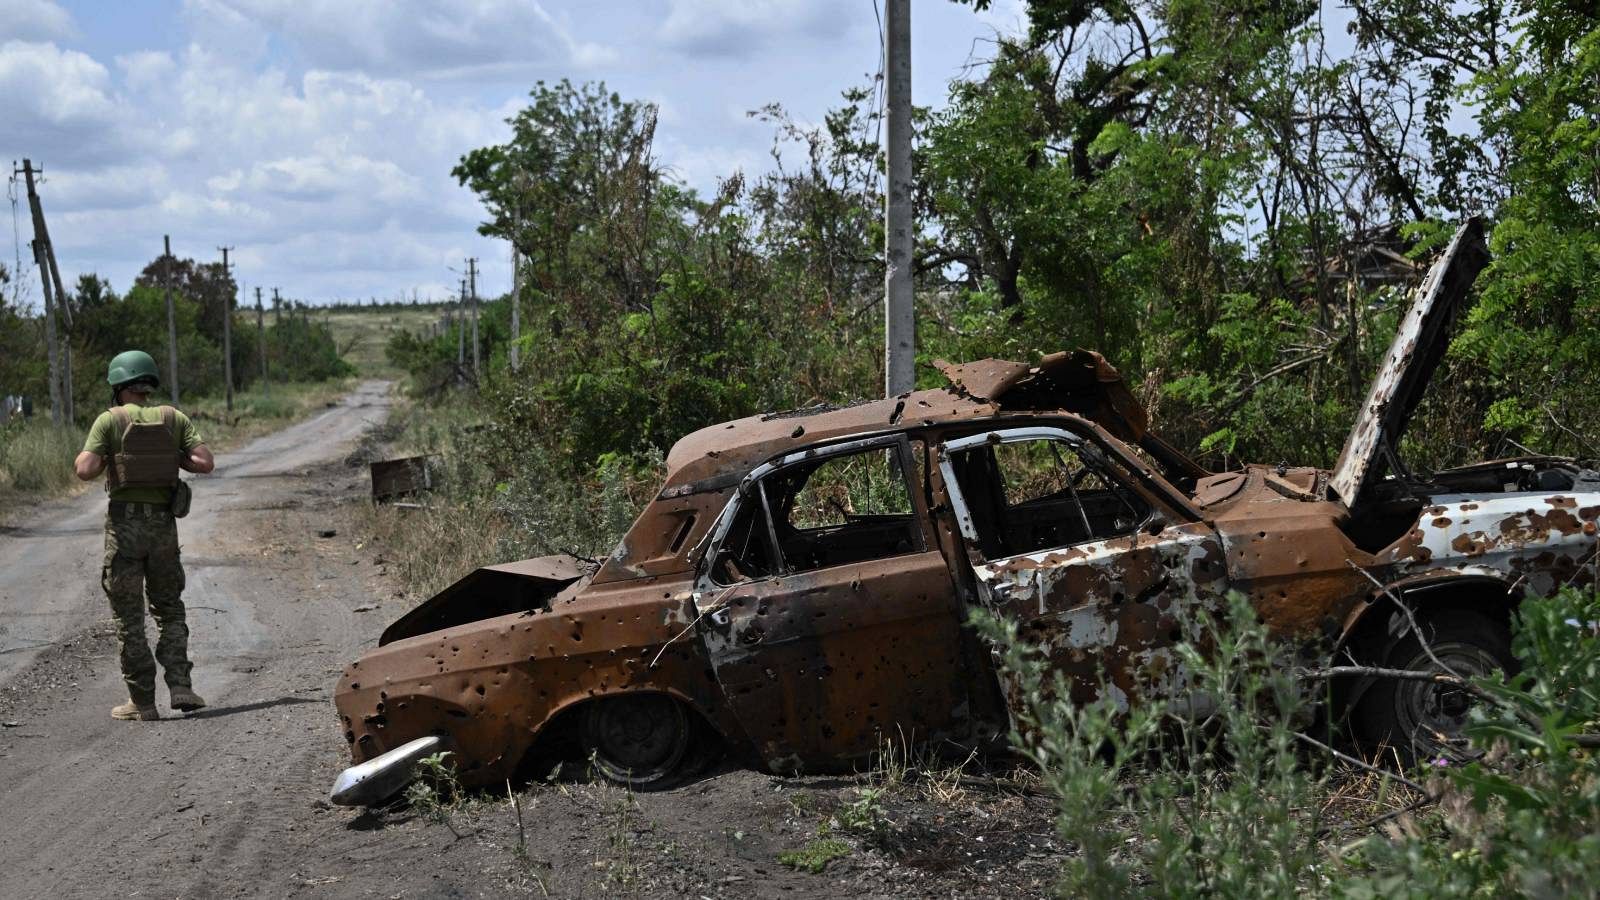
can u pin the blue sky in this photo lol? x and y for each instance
(316, 136)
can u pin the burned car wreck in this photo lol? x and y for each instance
(800, 586)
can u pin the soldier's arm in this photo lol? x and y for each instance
(193, 454)
(198, 460)
(91, 460)
(88, 466)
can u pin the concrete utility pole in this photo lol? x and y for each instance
(172, 319)
(227, 333)
(516, 309)
(472, 288)
(41, 240)
(899, 310)
(261, 341)
(461, 328)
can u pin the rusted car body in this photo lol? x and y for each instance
(801, 624)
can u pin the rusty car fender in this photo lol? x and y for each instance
(1482, 581)
(496, 684)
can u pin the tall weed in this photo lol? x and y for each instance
(1524, 820)
(1160, 802)
(494, 502)
(36, 457)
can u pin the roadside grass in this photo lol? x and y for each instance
(486, 510)
(36, 458)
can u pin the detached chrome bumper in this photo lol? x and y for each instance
(383, 776)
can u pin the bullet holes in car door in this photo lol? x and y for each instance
(827, 611)
(1060, 542)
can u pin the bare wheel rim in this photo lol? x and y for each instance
(1433, 716)
(637, 739)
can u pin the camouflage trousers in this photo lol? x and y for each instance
(142, 559)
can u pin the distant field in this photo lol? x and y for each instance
(363, 333)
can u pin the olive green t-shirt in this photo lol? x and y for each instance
(104, 441)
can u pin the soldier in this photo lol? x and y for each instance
(141, 448)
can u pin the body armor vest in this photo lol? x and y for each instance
(147, 452)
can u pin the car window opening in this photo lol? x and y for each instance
(1027, 496)
(816, 514)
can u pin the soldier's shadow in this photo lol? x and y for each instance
(213, 712)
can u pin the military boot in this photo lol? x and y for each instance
(186, 700)
(134, 712)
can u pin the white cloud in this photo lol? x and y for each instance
(416, 37)
(146, 68)
(34, 20)
(59, 102)
(743, 29)
(317, 137)
(109, 188)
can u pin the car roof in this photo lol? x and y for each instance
(1080, 382)
(707, 464)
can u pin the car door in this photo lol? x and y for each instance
(827, 609)
(1098, 573)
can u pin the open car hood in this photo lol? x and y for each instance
(491, 591)
(1418, 347)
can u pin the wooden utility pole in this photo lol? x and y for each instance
(516, 312)
(172, 319)
(41, 243)
(461, 328)
(277, 309)
(472, 288)
(261, 341)
(227, 332)
(899, 312)
(63, 305)
(51, 350)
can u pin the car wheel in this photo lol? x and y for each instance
(1424, 720)
(639, 741)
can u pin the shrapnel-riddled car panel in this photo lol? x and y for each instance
(799, 587)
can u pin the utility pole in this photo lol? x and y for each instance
(472, 287)
(63, 303)
(227, 332)
(261, 341)
(50, 336)
(41, 243)
(899, 311)
(516, 304)
(172, 319)
(461, 329)
(277, 309)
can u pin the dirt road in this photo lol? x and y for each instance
(216, 803)
(230, 801)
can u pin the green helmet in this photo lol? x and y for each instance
(132, 365)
